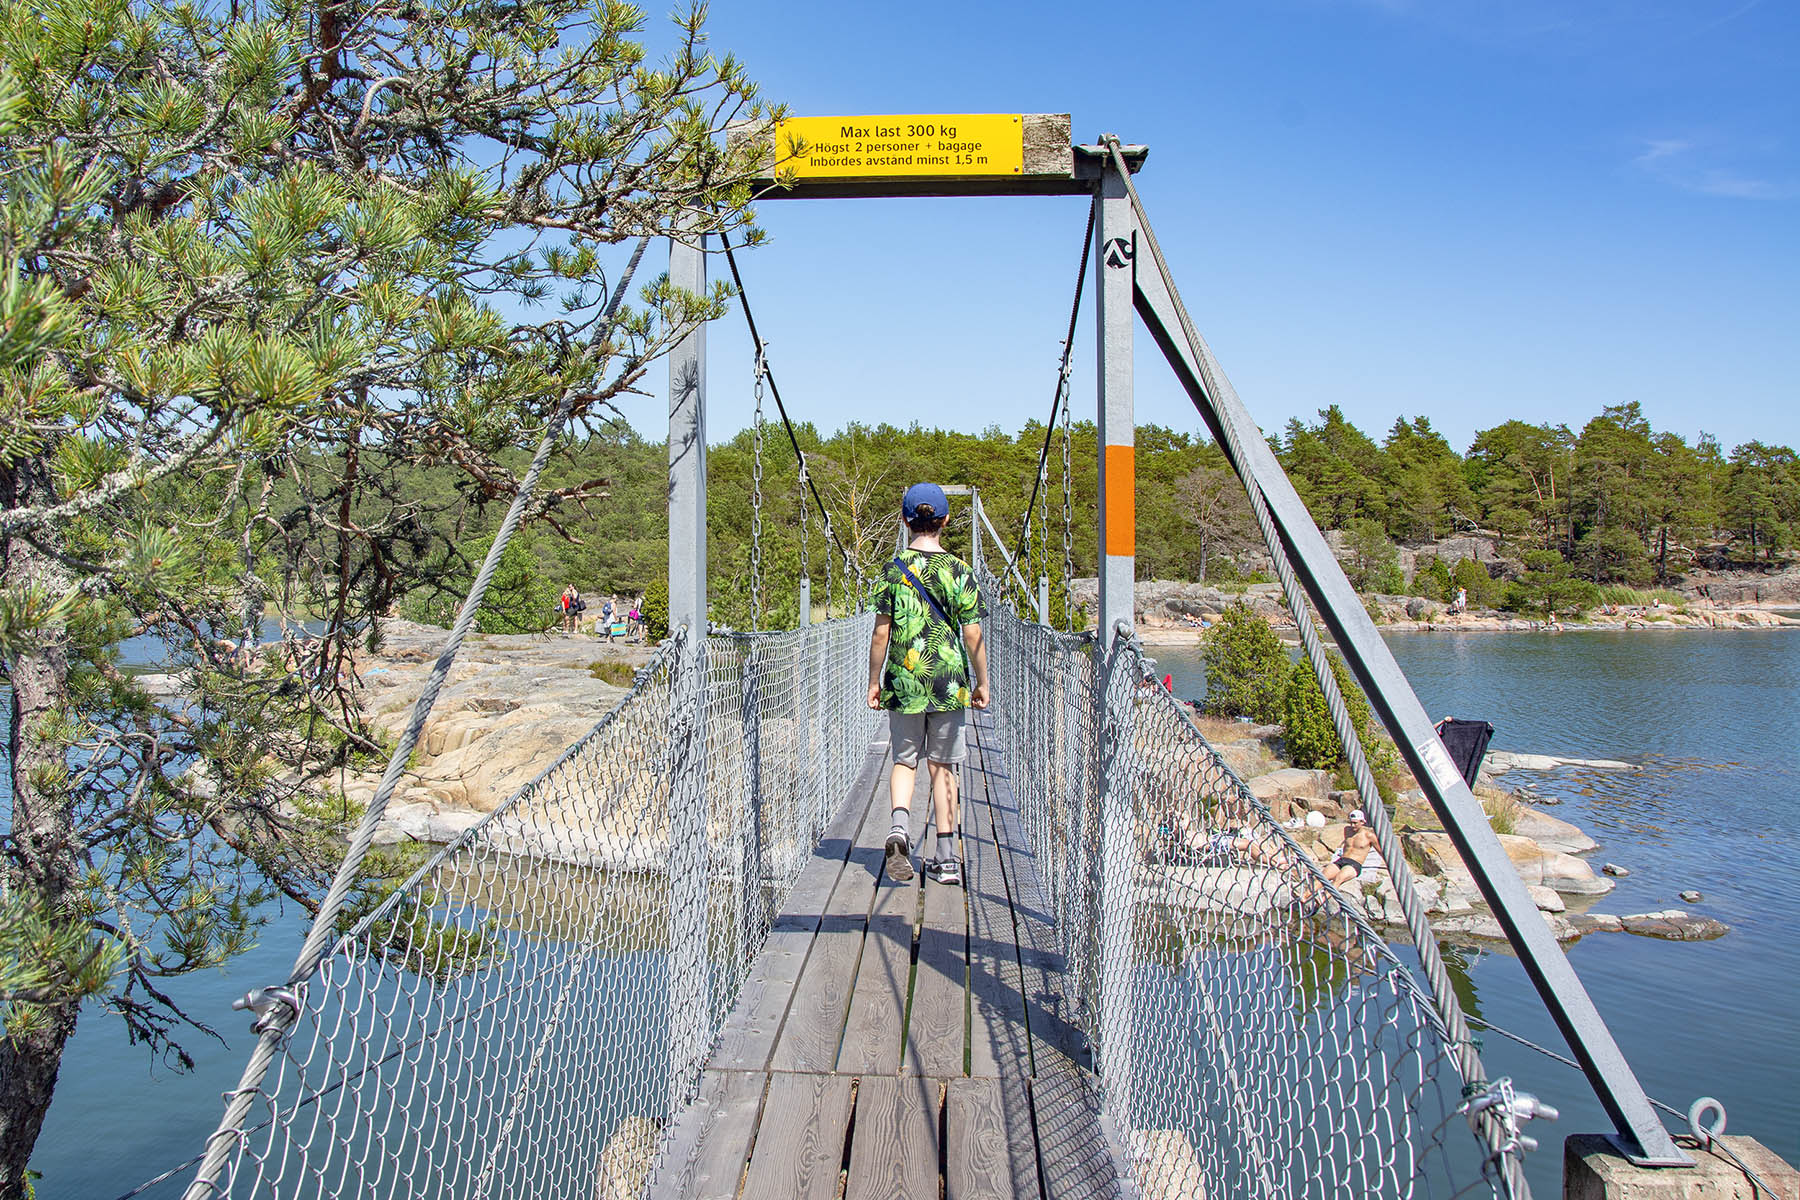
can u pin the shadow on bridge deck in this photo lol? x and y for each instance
(892, 1038)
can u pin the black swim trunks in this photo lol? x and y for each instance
(1348, 862)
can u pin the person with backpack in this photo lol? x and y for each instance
(606, 614)
(927, 666)
(572, 606)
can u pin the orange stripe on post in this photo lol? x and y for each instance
(1121, 500)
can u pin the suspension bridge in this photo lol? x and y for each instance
(670, 965)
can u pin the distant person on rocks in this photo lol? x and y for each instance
(634, 622)
(1460, 605)
(927, 665)
(606, 614)
(572, 606)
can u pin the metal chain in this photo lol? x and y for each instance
(1041, 559)
(805, 529)
(1068, 575)
(756, 496)
(828, 571)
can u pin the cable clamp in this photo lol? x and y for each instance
(1511, 1108)
(276, 1008)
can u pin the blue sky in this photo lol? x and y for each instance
(1467, 211)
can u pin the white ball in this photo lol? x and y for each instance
(1315, 820)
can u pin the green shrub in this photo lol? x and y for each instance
(520, 598)
(619, 674)
(1615, 555)
(1548, 586)
(1431, 579)
(1374, 562)
(1246, 667)
(1483, 589)
(1311, 740)
(655, 609)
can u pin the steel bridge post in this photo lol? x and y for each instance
(805, 600)
(975, 519)
(689, 893)
(1115, 233)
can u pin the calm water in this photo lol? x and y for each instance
(1715, 720)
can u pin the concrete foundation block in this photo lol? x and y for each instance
(1594, 1170)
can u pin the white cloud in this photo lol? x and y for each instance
(1692, 166)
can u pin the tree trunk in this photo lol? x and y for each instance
(42, 868)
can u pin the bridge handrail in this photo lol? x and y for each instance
(504, 1020)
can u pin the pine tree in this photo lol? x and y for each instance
(257, 264)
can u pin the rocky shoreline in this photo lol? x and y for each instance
(511, 704)
(1170, 613)
(1548, 852)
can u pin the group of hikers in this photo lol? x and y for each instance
(570, 606)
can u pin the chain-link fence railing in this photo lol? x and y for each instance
(523, 1015)
(1255, 1035)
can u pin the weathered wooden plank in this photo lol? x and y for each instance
(1042, 965)
(748, 1037)
(894, 1154)
(809, 1035)
(990, 1152)
(1074, 1156)
(998, 1039)
(938, 1018)
(800, 1146)
(712, 1136)
(875, 1028)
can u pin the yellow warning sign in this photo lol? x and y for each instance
(928, 144)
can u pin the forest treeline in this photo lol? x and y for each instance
(1616, 502)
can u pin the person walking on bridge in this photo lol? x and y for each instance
(927, 665)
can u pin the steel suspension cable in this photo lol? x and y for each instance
(768, 373)
(1460, 1040)
(1061, 395)
(277, 1017)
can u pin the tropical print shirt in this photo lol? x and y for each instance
(926, 667)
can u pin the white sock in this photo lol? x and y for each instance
(902, 822)
(946, 847)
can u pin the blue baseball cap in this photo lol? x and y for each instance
(929, 494)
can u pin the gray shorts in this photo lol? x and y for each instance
(938, 734)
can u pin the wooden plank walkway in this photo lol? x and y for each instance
(901, 1040)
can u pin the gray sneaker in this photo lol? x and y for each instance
(944, 870)
(899, 858)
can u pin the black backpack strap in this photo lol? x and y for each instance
(926, 593)
(936, 607)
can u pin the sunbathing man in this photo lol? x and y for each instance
(1357, 852)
